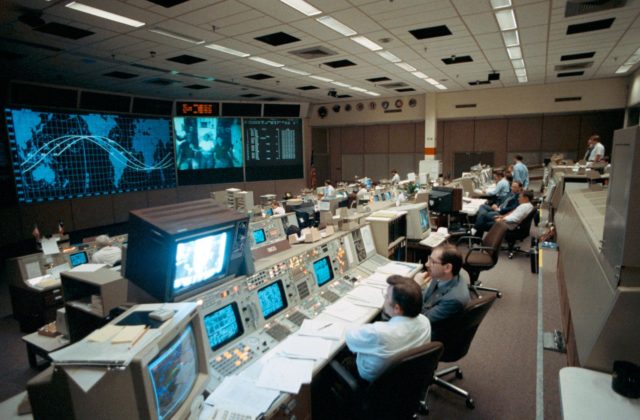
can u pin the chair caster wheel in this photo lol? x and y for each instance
(459, 374)
(510, 256)
(499, 295)
(470, 403)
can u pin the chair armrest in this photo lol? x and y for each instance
(469, 239)
(344, 376)
(478, 249)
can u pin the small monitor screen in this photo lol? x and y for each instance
(223, 325)
(200, 260)
(424, 219)
(388, 195)
(78, 258)
(324, 206)
(376, 198)
(258, 236)
(173, 373)
(323, 271)
(383, 197)
(272, 299)
(268, 212)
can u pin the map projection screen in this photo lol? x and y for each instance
(60, 155)
(273, 148)
(208, 150)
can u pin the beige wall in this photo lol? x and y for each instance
(634, 89)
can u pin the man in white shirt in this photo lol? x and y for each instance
(520, 213)
(595, 152)
(395, 178)
(106, 253)
(376, 343)
(277, 208)
(329, 191)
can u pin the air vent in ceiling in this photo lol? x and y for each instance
(378, 79)
(431, 32)
(271, 99)
(343, 96)
(569, 99)
(313, 53)
(161, 82)
(196, 87)
(186, 59)
(575, 66)
(582, 7)
(457, 59)
(578, 56)
(466, 105)
(121, 75)
(479, 82)
(340, 63)
(406, 90)
(259, 76)
(168, 3)
(394, 85)
(277, 39)
(308, 87)
(250, 95)
(595, 25)
(571, 74)
(65, 31)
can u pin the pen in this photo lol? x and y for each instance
(325, 326)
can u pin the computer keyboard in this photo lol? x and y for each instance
(222, 414)
(434, 239)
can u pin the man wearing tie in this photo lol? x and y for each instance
(595, 152)
(448, 292)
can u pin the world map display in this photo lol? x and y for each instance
(62, 155)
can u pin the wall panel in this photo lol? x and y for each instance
(376, 139)
(352, 166)
(123, 203)
(491, 136)
(524, 133)
(458, 137)
(560, 132)
(335, 151)
(419, 129)
(352, 139)
(376, 166)
(402, 138)
(403, 163)
(92, 212)
(46, 216)
(162, 197)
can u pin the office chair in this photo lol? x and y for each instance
(483, 255)
(520, 232)
(398, 392)
(456, 334)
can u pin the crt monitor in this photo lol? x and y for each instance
(324, 206)
(417, 220)
(259, 237)
(272, 299)
(223, 326)
(323, 271)
(78, 258)
(268, 212)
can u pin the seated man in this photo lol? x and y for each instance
(277, 209)
(106, 253)
(407, 327)
(487, 214)
(521, 212)
(502, 190)
(448, 292)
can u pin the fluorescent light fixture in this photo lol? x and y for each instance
(372, 93)
(358, 89)
(521, 72)
(336, 25)
(265, 61)
(420, 75)
(302, 7)
(506, 20)
(388, 56)
(177, 36)
(322, 79)
(405, 66)
(441, 87)
(227, 50)
(341, 84)
(500, 4)
(367, 43)
(104, 14)
(623, 69)
(295, 71)
(518, 64)
(514, 53)
(631, 61)
(523, 79)
(511, 38)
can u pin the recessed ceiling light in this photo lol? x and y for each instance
(500, 4)
(302, 7)
(265, 61)
(357, 89)
(521, 72)
(295, 71)
(336, 25)
(420, 75)
(523, 79)
(372, 93)
(367, 43)
(511, 38)
(432, 81)
(227, 50)
(514, 52)
(341, 84)
(177, 36)
(322, 79)
(506, 20)
(631, 61)
(388, 56)
(104, 14)
(405, 66)
(518, 64)
(441, 87)
(623, 69)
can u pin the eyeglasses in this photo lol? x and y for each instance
(431, 261)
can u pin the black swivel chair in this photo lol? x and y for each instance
(456, 334)
(398, 392)
(521, 232)
(482, 255)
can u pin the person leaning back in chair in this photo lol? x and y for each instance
(447, 294)
(376, 343)
(106, 253)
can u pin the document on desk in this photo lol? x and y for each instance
(396, 267)
(305, 347)
(285, 374)
(348, 311)
(55, 271)
(368, 296)
(378, 280)
(243, 396)
(87, 268)
(49, 246)
(316, 328)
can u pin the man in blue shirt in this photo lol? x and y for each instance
(487, 214)
(502, 190)
(520, 172)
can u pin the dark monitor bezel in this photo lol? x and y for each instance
(239, 333)
(86, 258)
(283, 295)
(333, 274)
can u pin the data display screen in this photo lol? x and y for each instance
(323, 271)
(275, 144)
(208, 150)
(173, 373)
(58, 155)
(223, 326)
(424, 219)
(201, 260)
(78, 258)
(259, 236)
(272, 299)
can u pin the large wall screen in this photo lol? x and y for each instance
(273, 148)
(60, 155)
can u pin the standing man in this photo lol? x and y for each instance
(395, 178)
(376, 343)
(520, 171)
(448, 292)
(595, 150)
(329, 191)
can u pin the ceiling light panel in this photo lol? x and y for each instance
(420, 75)
(511, 38)
(500, 4)
(336, 25)
(514, 53)
(405, 66)
(389, 57)
(302, 7)
(341, 84)
(518, 64)
(322, 79)
(296, 71)
(227, 50)
(176, 35)
(266, 62)
(367, 43)
(506, 20)
(358, 89)
(104, 14)
(368, 92)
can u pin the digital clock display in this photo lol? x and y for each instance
(197, 108)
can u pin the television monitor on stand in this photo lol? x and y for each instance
(179, 250)
(418, 226)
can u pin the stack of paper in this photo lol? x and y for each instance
(305, 347)
(346, 310)
(396, 267)
(315, 328)
(378, 280)
(285, 374)
(368, 296)
(238, 393)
